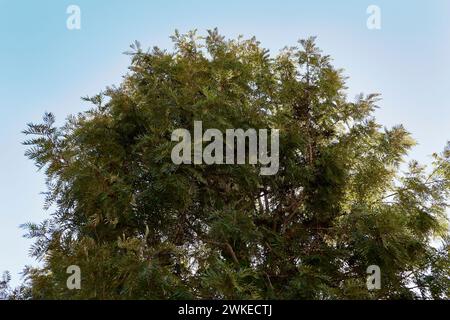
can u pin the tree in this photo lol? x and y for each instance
(141, 227)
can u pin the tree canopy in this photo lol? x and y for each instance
(140, 227)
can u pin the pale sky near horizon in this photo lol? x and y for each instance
(46, 67)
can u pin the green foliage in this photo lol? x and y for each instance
(141, 227)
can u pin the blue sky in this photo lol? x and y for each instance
(46, 67)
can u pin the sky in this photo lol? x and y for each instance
(44, 66)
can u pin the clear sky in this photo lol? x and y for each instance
(46, 67)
